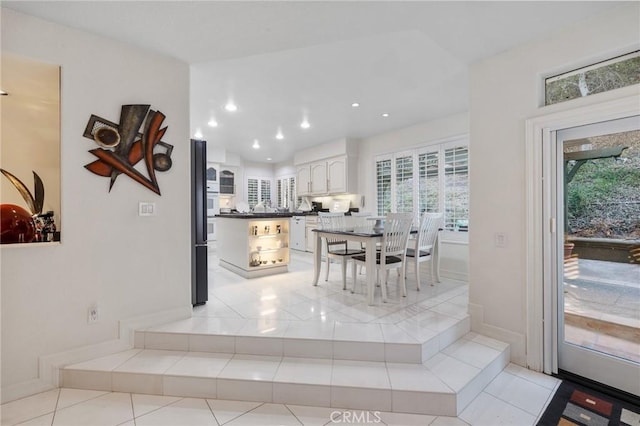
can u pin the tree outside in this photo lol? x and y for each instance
(604, 196)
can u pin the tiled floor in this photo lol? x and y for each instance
(515, 397)
(287, 305)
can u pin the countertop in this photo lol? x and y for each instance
(254, 215)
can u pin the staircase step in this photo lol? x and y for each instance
(413, 340)
(443, 385)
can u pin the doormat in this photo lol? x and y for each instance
(574, 404)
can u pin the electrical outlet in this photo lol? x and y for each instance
(93, 314)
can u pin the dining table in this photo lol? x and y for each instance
(368, 234)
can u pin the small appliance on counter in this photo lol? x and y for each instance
(316, 206)
(338, 205)
(304, 205)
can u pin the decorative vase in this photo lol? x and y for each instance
(16, 225)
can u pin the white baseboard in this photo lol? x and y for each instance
(49, 365)
(516, 340)
(454, 275)
(22, 389)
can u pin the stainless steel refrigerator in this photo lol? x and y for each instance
(199, 268)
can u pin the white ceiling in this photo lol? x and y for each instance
(281, 61)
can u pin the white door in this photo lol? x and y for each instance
(596, 272)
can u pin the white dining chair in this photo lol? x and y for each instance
(393, 250)
(337, 248)
(359, 220)
(424, 245)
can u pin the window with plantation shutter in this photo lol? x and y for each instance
(291, 197)
(252, 192)
(265, 191)
(404, 184)
(383, 185)
(434, 178)
(286, 192)
(428, 172)
(258, 189)
(456, 188)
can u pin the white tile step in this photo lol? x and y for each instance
(412, 340)
(443, 385)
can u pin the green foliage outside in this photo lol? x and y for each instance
(604, 196)
(608, 77)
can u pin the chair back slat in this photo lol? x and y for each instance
(430, 224)
(397, 227)
(333, 221)
(359, 219)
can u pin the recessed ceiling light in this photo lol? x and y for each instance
(213, 123)
(198, 134)
(305, 124)
(268, 158)
(279, 135)
(256, 144)
(231, 107)
(355, 104)
(386, 114)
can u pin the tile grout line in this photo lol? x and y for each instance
(55, 409)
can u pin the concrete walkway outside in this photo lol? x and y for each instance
(602, 306)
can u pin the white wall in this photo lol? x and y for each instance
(454, 254)
(130, 266)
(505, 91)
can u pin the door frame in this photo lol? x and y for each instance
(540, 139)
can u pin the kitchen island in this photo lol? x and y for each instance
(254, 244)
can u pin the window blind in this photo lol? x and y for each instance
(265, 191)
(404, 184)
(252, 192)
(428, 172)
(456, 188)
(383, 185)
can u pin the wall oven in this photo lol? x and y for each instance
(213, 208)
(211, 229)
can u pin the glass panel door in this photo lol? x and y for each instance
(598, 228)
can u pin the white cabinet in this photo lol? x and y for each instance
(303, 180)
(311, 223)
(228, 180)
(337, 178)
(336, 175)
(318, 177)
(298, 233)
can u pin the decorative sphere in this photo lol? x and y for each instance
(16, 225)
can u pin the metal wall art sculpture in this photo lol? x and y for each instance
(122, 145)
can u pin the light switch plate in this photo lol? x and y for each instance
(500, 239)
(146, 209)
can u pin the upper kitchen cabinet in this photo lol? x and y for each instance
(212, 172)
(303, 180)
(338, 179)
(227, 181)
(335, 173)
(318, 172)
